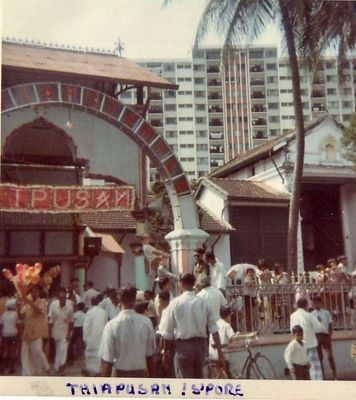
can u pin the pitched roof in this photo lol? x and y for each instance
(109, 220)
(14, 218)
(210, 223)
(247, 190)
(265, 150)
(124, 221)
(104, 66)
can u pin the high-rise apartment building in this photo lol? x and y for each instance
(227, 105)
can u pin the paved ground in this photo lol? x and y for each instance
(76, 368)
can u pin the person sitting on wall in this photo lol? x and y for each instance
(152, 256)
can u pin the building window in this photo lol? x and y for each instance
(202, 147)
(202, 134)
(171, 134)
(199, 81)
(171, 121)
(330, 152)
(170, 107)
(200, 107)
(200, 120)
(271, 67)
(272, 106)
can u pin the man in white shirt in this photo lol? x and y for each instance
(217, 272)
(310, 326)
(111, 303)
(212, 296)
(60, 317)
(296, 356)
(89, 293)
(324, 336)
(188, 316)
(128, 341)
(225, 332)
(94, 324)
(152, 255)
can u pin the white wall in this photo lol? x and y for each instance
(348, 215)
(103, 271)
(128, 260)
(221, 248)
(212, 201)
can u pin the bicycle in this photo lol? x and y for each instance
(256, 366)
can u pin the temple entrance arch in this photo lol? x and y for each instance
(187, 234)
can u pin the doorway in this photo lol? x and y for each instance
(321, 223)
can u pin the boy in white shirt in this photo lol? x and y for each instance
(296, 356)
(225, 332)
(324, 336)
(9, 322)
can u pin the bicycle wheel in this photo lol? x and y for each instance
(260, 367)
(212, 370)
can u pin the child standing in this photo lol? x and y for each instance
(296, 356)
(324, 336)
(9, 322)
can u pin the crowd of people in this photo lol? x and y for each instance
(165, 331)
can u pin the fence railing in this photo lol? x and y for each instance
(267, 308)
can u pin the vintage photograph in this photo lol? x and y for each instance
(178, 189)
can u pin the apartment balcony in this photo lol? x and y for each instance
(319, 82)
(156, 96)
(214, 82)
(216, 149)
(318, 107)
(257, 82)
(256, 68)
(259, 122)
(258, 95)
(216, 122)
(216, 135)
(317, 94)
(214, 96)
(216, 163)
(155, 110)
(213, 69)
(156, 123)
(260, 135)
(215, 109)
(258, 108)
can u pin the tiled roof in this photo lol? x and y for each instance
(257, 153)
(109, 220)
(110, 67)
(8, 218)
(210, 223)
(247, 190)
(123, 220)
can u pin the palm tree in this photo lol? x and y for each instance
(308, 27)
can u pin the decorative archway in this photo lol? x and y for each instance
(187, 233)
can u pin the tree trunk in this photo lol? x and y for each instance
(294, 205)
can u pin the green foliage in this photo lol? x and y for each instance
(349, 140)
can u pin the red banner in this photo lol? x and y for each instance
(59, 199)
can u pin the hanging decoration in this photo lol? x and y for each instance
(62, 199)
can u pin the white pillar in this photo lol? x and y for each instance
(183, 242)
(300, 255)
(348, 218)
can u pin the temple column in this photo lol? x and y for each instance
(183, 242)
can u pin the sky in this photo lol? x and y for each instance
(146, 29)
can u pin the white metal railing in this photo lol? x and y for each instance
(267, 308)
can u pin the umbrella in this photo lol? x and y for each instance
(238, 271)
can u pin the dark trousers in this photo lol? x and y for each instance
(77, 339)
(301, 372)
(324, 342)
(189, 358)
